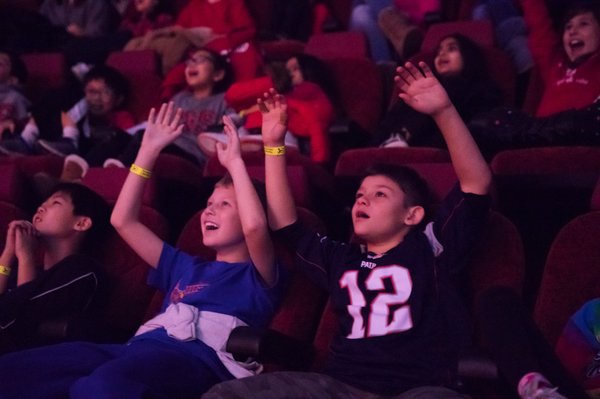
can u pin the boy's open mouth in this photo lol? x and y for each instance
(361, 215)
(210, 226)
(576, 44)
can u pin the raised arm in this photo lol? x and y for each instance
(424, 93)
(250, 210)
(281, 206)
(163, 127)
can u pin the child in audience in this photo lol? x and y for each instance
(66, 282)
(569, 65)
(460, 66)
(94, 129)
(14, 105)
(203, 106)
(308, 86)
(204, 300)
(223, 26)
(401, 324)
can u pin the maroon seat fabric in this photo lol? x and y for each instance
(128, 295)
(12, 184)
(310, 182)
(354, 162)
(482, 32)
(361, 99)
(141, 68)
(45, 71)
(108, 182)
(595, 201)
(346, 44)
(571, 274)
(547, 161)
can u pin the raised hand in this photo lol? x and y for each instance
(230, 151)
(421, 90)
(274, 117)
(163, 127)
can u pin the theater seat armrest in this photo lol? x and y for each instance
(269, 346)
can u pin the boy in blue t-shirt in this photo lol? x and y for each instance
(400, 323)
(181, 352)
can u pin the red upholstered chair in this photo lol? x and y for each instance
(12, 184)
(346, 44)
(361, 99)
(482, 32)
(541, 189)
(571, 274)
(46, 71)
(595, 201)
(432, 163)
(128, 295)
(108, 182)
(141, 68)
(311, 183)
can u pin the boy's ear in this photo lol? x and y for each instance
(83, 223)
(219, 75)
(414, 216)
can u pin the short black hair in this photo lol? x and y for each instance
(415, 188)
(87, 202)
(259, 187)
(112, 77)
(581, 7)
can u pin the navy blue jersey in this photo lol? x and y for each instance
(400, 320)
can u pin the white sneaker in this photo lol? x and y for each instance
(536, 386)
(395, 140)
(113, 163)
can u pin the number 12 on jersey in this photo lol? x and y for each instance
(379, 322)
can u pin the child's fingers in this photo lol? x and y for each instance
(426, 70)
(161, 113)
(175, 122)
(152, 115)
(262, 106)
(220, 147)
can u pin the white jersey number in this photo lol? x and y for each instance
(379, 313)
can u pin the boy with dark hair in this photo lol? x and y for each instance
(401, 323)
(204, 300)
(65, 226)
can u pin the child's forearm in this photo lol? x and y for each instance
(252, 214)
(27, 271)
(129, 201)
(471, 168)
(281, 205)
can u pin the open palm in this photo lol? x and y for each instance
(274, 117)
(421, 90)
(163, 127)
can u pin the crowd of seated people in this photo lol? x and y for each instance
(240, 90)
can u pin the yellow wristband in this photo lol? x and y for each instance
(275, 150)
(4, 270)
(138, 170)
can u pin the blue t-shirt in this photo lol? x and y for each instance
(234, 289)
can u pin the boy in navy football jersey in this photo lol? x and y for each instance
(399, 314)
(181, 352)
